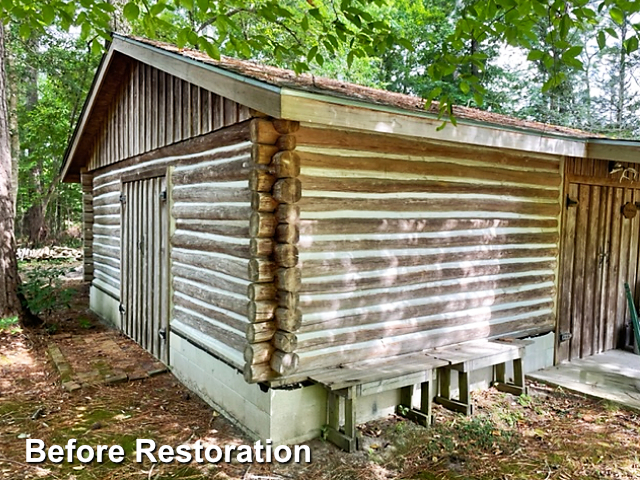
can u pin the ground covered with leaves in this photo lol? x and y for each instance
(549, 434)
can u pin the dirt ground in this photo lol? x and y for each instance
(549, 434)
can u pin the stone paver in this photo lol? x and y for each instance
(100, 358)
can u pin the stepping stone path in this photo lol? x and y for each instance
(100, 358)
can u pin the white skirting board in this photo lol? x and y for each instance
(105, 306)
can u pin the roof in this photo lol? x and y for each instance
(282, 93)
(280, 77)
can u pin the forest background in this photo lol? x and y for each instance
(585, 77)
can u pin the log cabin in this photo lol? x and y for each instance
(263, 233)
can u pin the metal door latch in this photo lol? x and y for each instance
(565, 336)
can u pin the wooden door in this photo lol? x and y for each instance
(599, 253)
(144, 290)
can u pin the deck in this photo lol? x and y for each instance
(612, 375)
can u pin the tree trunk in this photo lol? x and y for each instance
(9, 280)
(13, 125)
(623, 73)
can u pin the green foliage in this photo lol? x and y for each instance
(10, 324)
(43, 290)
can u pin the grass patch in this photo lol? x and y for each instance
(10, 325)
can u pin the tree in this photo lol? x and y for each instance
(9, 304)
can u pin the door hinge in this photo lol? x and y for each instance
(565, 336)
(162, 333)
(123, 198)
(121, 309)
(163, 195)
(571, 202)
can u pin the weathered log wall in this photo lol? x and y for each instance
(153, 109)
(407, 245)
(211, 206)
(210, 249)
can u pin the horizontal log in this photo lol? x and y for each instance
(288, 279)
(258, 353)
(262, 270)
(284, 363)
(325, 204)
(413, 327)
(263, 202)
(226, 228)
(107, 210)
(263, 154)
(380, 185)
(286, 255)
(211, 194)
(260, 332)
(286, 142)
(214, 316)
(106, 277)
(210, 330)
(285, 341)
(103, 200)
(286, 164)
(188, 241)
(261, 291)
(235, 267)
(260, 181)
(261, 247)
(213, 211)
(112, 262)
(106, 251)
(220, 299)
(287, 233)
(434, 167)
(395, 278)
(208, 278)
(228, 171)
(463, 240)
(393, 144)
(288, 190)
(102, 189)
(290, 300)
(262, 310)
(330, 226)
(426, 340)
(262, 225)
(394, 297)
(102, 230)
(263, 131)
(288, 320)
(285, 127)
(258, 373)
(340, 266)
(290, 214)
(334, 320)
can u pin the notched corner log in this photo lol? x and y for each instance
(287, 190)
(290, 300)
(286, 142)
(263, 225)
(289, 279)
(286, 164)
(263, 131)
(260, 332)
(285, 341)
(286, 255)
(262, 270)
(286, 126)
(263, 154)
(261, 291)
(287, 233)
(288, 320)
(263, 202)
(261, 247)
(258, 353)
(286, 213)
(258, 373)
(262, 310)
(261, 181)
(284, 363)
